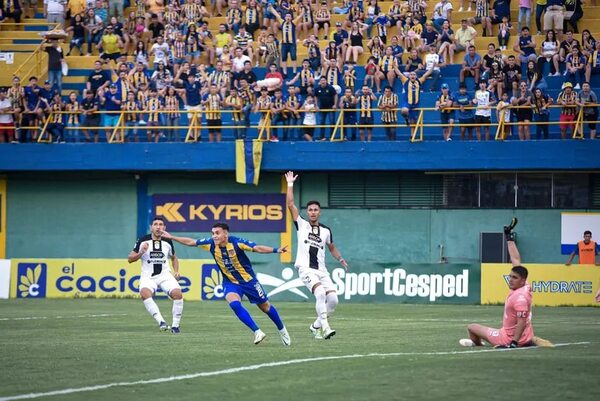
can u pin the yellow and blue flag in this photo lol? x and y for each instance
(248, 156)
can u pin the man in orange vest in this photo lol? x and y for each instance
(587, 251)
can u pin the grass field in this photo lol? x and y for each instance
(52, 345)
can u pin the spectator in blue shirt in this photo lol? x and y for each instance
(471, 65)
(464, 101)
(111, 103)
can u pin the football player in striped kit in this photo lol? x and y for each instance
(155, 251)
(310, 259)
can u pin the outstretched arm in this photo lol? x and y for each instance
(336, 254)
(513, 252)
(289, 197)
(598, 295)
(182, 240)
(269, 249)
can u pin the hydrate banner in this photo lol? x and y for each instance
(552, 284)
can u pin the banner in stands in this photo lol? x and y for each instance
(552, 284)
(202, 279)
(243, 212)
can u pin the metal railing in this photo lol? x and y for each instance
(197, 122)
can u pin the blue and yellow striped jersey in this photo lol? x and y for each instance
(231, 258)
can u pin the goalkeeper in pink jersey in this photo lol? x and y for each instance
(516, 330)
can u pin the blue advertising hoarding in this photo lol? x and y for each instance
(199, 212)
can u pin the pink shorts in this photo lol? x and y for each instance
(497, 337)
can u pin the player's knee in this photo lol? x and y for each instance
(265, 307)
(145, 293)
(332, 301)
(319, 292)
(176, 294)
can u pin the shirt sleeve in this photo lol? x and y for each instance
(245, 245)
(136, 247)
(204, 243)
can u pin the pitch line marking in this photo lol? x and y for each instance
(62, 317)
(265, 365)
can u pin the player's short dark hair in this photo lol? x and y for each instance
(521, 271)
(313, 202)
(159, 218)
(587, 232)
(223, 226)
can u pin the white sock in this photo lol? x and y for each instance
(321, 306)
(332, 301)
(153, 310)
(177, 310)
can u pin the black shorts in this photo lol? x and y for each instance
(91, 121)
(482, 120)
(309, 130)
(111, 56)
(591, 117)
(321, 24)
(496, 19)
(366, 121)
(524, 115)
(214, 125)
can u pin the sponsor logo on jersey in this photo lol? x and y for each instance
(315, 238)
(157, 255)
(31, 280)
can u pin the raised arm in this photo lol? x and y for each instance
(182, 240)
(289, 197)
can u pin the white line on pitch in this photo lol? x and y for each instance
(264, 365)
(62, 317)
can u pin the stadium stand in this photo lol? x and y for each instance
(210, 36)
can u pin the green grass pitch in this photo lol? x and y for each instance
(50, 345)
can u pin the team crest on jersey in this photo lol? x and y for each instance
(231, 252)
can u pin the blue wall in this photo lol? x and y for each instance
(425, 156)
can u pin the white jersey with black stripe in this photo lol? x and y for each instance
(156, 259)
(311, 244)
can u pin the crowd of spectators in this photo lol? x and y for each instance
(160, 62)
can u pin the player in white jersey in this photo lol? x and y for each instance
(155, 253)
(310, 259)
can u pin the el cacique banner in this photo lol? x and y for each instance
(202, 279)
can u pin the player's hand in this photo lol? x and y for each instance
(290, 177)
(144, 247)
(597, 298)
(177, 275)
(283, 249)
(165, 235)
(344, 263)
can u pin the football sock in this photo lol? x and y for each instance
(243, 315)
(321, 306)
(177, 310)
(153, 310)
(332, 301)
(274, 316)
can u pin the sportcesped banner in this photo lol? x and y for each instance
(243, 212)
(202, 279)
(72, 278)
(552, 285)
(426, 283)
(414, 283)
